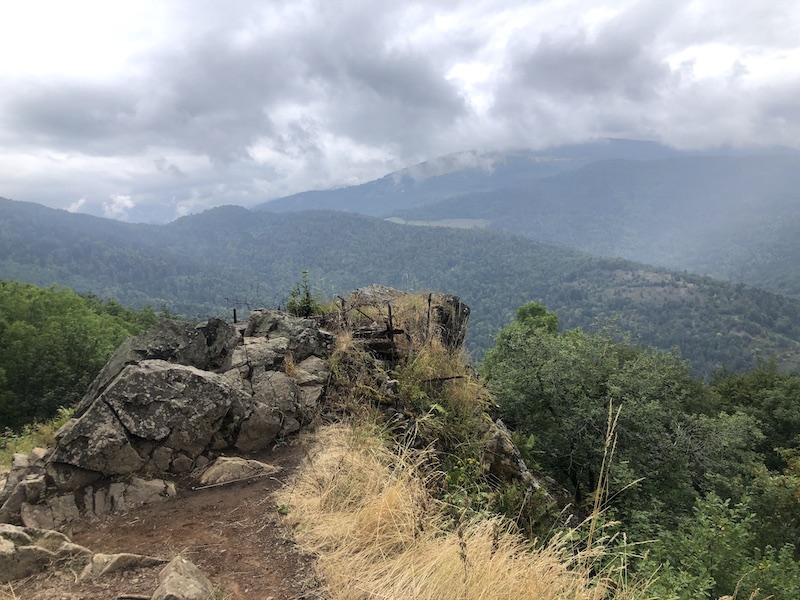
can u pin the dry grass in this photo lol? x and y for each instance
(366, 513)
(32, 436)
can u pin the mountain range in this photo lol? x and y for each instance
(731, 215)
(228, 257)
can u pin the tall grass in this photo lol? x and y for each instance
(31, 436)
(366, 512)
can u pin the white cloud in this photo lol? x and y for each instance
(186, 105)
(77, 205)
(117, 207)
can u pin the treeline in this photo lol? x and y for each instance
(230, 257)
(53, 342)
(699, 481)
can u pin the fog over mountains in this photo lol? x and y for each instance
(731, 214)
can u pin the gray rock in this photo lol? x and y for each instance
(17, 535)
(206, 346)
(226, 469)
(312, 371)
(177, 406)
(68, 478)
(17, 562)
(182, 580)
(126, 496)
(98, 442)
(27, 551)
(303, 335)
(260, 425)
(54, 512)
(103, 564)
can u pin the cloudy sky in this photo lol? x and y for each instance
(149, 110)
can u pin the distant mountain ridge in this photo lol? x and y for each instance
(733, 217)
(732, 214)
(459, 173)
(207, 264)
(453, 175)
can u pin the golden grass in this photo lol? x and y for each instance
(365, 511)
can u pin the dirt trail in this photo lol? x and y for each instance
(233, 533)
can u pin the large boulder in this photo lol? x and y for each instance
(150, 404)
(207, 346)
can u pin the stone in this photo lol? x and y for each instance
(70, 550)
(68, 478)
(206, 346)
(54, 512)
(303, 336)
(143, 491)
(259, 427)
(17, 562)
(161, 459)
(126, 496)
(182, 580)
(182, 464)
(225, 469)
(103, 564)
(17, 535)
(27, 551)
(312, 370)
(176, 406)
(101, 503)
(33, 487)
(98, 442)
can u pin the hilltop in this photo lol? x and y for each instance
(230, 257)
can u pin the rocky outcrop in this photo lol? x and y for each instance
(25, 551)
(168, 402)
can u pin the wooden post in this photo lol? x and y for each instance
(391, 331)
(428, 325)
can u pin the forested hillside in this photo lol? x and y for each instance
(730, 217)
(52, 344)
(702, 480)
(230, 257)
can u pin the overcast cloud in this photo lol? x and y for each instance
(152, 110)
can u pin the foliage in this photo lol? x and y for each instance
(714, 552)
(31, 436)
(772, 398)
(226, 257)
(301, 302)
(689, 473)
(52, 344)
(559, 387)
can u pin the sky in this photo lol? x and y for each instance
(149, 110)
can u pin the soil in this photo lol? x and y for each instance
(233, 533)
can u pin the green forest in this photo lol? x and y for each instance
(52, 344)
(700, 482)
(207, 264)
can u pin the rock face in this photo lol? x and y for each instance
(167, 402)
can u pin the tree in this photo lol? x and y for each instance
(558, 387)
(52, 344)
